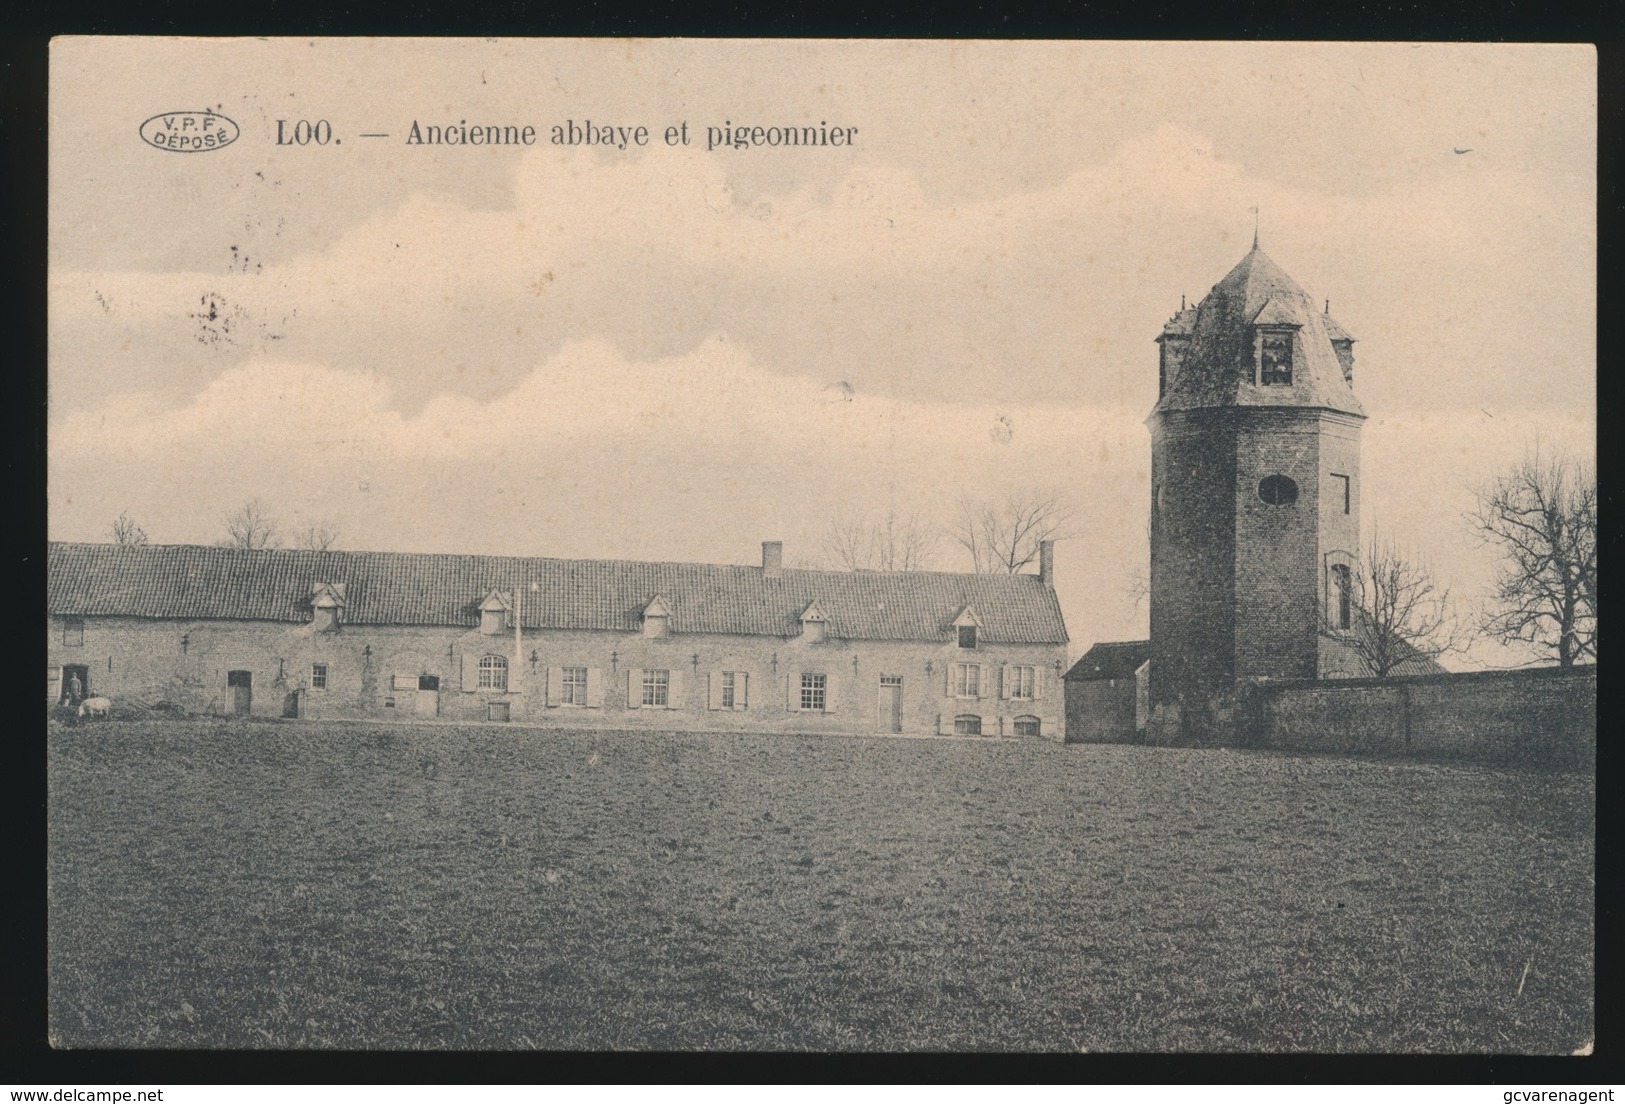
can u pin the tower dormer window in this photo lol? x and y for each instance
(326, 606)
(967, 636)
(1275, 358)
(814, 623)
(967, 627)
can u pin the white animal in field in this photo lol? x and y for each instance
(95, 707)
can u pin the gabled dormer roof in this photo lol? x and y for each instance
(497, 600)
(1218, 366)
(327, 595)
(657, 607)
(814, 612)
(967, 616)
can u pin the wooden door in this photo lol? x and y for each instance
(241, 685)
(891, 704)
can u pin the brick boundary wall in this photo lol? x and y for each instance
(1541, 717)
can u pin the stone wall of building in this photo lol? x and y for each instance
(1541, 717)
(381, 672)
(1101, 711)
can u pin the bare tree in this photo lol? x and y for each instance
(250, 526)
(126, 531)
(892, 542)
(1003, 537)
(1388, 609)
(1542, 517)
(318, 536)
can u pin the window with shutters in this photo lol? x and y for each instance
(493, 673)
(730, 689)
(656, 687)
(573, 686)
(967, 724)
(1022, 680)
(967, 636)
(813, 689)
(73, 632)
(318, 676)
(967, 680)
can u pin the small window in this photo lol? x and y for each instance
(967, 724)
(493, 674)
(813, 688)
(1277, 490)
(1022, 680)
(1341, 489)
(1342, 589)
(73, 632)
(428, 682)
(1028, 726)
(318, 676)
(573, 688)
(891, 680)
(493, 621)
(326, 619)
(729, 689)
(968, 680)
(967, 636)
(497, 711)
(656, 687)
(1275, 359)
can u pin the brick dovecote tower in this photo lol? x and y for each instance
(1255, 484)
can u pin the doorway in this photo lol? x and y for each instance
(241, 686)
(428, 703)
(891, 703)
(75, 683)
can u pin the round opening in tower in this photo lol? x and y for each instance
(1277, 490)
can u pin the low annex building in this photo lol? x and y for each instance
(578, 643)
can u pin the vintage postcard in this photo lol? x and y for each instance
(822, 545)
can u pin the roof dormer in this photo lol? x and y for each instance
(657, 617)
(814, 623)
(327, 606)
(967, 628)
(496, 613)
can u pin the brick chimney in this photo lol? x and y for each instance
(772, 559)
(1046, 563)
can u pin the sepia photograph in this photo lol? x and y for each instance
(786, 546)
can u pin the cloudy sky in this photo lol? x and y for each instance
(673, 353)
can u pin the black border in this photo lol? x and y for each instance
(29, 1060)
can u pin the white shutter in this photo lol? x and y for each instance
(555, 683)
(942, 719)
(1048, 726)
(792, 688)
(634, 688)
(595, 688)
(53, 683)
(741, 689)
(1038, 682)
(981, 680)
(471, 672)
(713, 695)
(1002, 720)
(831, 688)
(948, 682)
(1004, 681)
(674, 689)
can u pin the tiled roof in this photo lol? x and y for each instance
(1110, 661)
(1217, 367)
(401, 588)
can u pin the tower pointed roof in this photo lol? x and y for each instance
(1218, 362)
